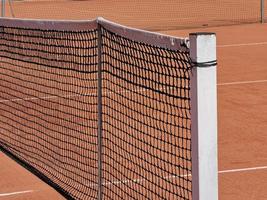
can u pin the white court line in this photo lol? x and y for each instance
(15, 193)
(242, 44)
(130, 181)
(142, 180)
(242, 82)
(77, 95)
(26, 99)
(122, 91)
(45, 97)
(242, 169)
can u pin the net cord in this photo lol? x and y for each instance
(155, 39)
(58, 25)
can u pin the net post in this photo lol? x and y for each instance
(204, 116)
(3, 8)
(99, 107)
(262, 11)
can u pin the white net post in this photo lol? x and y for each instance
(204, 116)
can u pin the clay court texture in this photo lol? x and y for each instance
(241, 87)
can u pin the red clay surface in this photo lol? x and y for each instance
(145, 14)
(15, 178)
(242, 109)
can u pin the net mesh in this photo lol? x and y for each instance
(49, 113)
(48, 104)
(146, 121)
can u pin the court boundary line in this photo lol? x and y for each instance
(242, 169)
(123, 91)
(247, 169)
(129, 181)
(15, 193)
(242, 82)
(242, 44)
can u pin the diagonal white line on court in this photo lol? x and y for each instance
(47, 97)
(242, 44)
(15, 193)
(80, 95)
(129, 181)
(27, 99)
(132, 181)
(242, 82)
(142, 180)
(243, 169)
(122, 91)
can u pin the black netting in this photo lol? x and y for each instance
(49, 113)
(146, 121)
(48, 103)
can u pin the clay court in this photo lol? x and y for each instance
(242, 84)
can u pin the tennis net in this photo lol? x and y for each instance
(97, 110)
